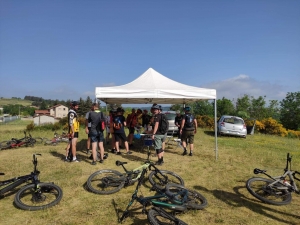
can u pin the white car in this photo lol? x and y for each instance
(171, 118)
(232, 125)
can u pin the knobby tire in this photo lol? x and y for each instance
(160, 182)
(28, 199)
(193, 200)
(105, 182)
(156, 218)
(258, 187)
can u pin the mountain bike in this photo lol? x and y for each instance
(110, 181)
(276, 190)
(34, 196)
(15, 143)
(174, 197)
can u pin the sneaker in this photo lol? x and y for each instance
(87, 151)
(101, 161)
(191, 154)
(66, 160)
(184, 152)
(93, 163)
(159, 163)
(118, 153)
(129, 153)
(75, 160)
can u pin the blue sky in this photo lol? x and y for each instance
(64, 49)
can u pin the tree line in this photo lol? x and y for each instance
(286, 112)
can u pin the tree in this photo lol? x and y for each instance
(290, 111)
(243, 106)
(203, 108)
(258, 108)
(225, 107)
(43, 105)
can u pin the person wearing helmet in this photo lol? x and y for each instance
(188, 129)
(73, 131)
(157, 136)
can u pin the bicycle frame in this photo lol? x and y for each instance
(17, 181)
(290, 185)
(145, 201)
(137, 171)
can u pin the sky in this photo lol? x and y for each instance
(65, 49)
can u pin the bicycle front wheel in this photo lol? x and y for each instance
(106, 182)
(30, 198)
(259, 187)
(160, 180)
(179, 194)
(157, 218)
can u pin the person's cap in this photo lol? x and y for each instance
(74, 103)
(155, 107)
(177, 112)
(187, 108)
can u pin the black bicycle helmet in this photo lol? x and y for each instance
(74, 103)
(187, 108)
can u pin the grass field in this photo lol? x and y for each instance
(221, 181)
(14, 101)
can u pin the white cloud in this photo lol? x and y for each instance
(242, 84)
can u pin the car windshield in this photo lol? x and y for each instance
(170, 116)
(233, 120)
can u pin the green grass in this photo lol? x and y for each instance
(221, 181)
(13, 101)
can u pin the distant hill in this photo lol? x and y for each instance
(14, 101)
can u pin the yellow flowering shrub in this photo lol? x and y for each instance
(205, 122)
(293, 134)
(273, 127)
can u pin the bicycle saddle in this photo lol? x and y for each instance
(257, 171)
(119, 163)
(2, 173)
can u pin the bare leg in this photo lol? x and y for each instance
(94, 151)
(74, 142)
(101, 150)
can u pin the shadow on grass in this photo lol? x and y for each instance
(237, 199)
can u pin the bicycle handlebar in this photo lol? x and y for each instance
(294, 175)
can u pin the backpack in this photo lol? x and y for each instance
(163, 124)
(189, 121)
(101, 125)
(117, 124)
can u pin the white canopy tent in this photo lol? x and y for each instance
(153, 87)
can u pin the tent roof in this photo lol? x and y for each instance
(152, 87)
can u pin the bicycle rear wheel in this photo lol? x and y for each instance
(106, 182)
(159, 218)
(181, 195)
(5, 144)
(160, 181)
(47, 195)
(275, 195)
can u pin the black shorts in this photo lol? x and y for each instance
(76, 135)
(120, 136)
(131, 130)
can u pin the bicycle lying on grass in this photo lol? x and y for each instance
(34, 196)
(15, 143)
(174, 197)
(276, 190)
(110, 181)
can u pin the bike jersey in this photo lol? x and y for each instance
(73, 121)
